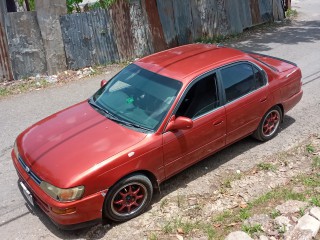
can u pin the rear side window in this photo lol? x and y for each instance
(241, 79)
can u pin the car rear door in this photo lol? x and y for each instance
(202, 103)
(246, 98)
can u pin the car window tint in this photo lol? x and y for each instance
(238, 80)
(260, 79)
(201, 98)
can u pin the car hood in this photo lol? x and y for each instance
(61, 147)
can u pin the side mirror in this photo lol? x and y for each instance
(103, 82)
(179, 123)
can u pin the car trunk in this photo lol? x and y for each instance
(277, 64)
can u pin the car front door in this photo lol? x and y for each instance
(246, 98)
(201, 103)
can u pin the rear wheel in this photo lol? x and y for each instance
(269, 125)
(128, 198)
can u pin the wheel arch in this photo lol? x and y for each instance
(282, 111)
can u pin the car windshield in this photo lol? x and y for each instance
(137, 98)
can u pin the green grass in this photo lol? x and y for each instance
(17, 87)
(267, 166)
(274, 214)
(152, 236)
(310, 148)
(291, 13)
(188, 226)
(244, 213)
(251, 229)
(315, 200)
(316, 162)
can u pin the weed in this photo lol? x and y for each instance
(222, 216)
(267, 166)
(274, 214)
(153, 236)
(163, 204)
(310, 148)
(315, 201)
(302, 211)
(282, 229)
(251, 229)
(244, 213)
(227, 183)
(168, 227)
(291, 13)
(210, 232)
(316, 162)
(310, 181)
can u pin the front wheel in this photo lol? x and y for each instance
(128, 198)
(269, 125)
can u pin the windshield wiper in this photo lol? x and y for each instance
(114, 118)
(106, 112)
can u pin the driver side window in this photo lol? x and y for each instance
(200, 99)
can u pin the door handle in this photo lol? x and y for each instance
(216, 123)
(263, 99)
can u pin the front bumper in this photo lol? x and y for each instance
(86, 210)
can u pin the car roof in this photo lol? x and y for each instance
(186, 62)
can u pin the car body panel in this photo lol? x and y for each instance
(185, 147)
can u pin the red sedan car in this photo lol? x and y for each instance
(102, 158)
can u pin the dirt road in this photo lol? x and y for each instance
(298, 42)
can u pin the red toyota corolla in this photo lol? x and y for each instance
(103, 157)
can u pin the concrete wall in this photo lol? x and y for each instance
(26, 46)
(48, 16)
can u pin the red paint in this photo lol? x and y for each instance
(78, 146)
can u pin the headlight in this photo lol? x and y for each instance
(15, 149)
(61, 194)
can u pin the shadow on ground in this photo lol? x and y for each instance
(288, 33)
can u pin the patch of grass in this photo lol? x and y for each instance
(222, 216)
(291, 13)
(163, 203)
(310, 181)
(188, 226)
(251, 229)
(267, 166)
(316, 162)
(168, 227)
(4, 91)
(302, 211)
(153, 236)
(274, 214)
(278, 194)
(244, 213)
(310, 148)
(315, 200)
(17, 87)
(211, 233)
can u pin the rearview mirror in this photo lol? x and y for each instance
(103, 82)
(179, 123)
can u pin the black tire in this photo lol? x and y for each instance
(128, 198)
(269, 125)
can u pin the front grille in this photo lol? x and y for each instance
(29, 171)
